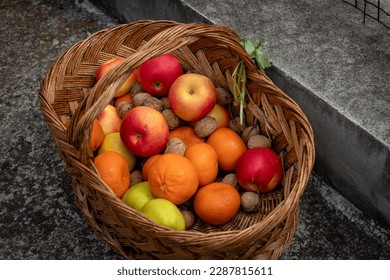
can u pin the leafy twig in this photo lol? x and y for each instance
(254, 50)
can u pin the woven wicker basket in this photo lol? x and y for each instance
(69, 91)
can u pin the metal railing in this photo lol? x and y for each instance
(373, 9)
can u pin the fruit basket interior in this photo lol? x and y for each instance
(71, 99)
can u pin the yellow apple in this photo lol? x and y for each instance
(113, 142)
(192, 96)
(221, 114)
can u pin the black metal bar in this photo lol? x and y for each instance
(365, 14)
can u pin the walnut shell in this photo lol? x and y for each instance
(172, 119)
(189, 218)
(136, 88)
(124, 107)
(250, 201)
(135, 177)
(236, 125)
(176, 146)
(248, 132)
(166, 103)
(231, 179)
(139, 98)
(259, 141)
(154, 103)
(205, 126)
(224, 97)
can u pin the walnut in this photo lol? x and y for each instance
(248, 132)
(258, 141)
(154, 103)
(136, 88)
(139, 98)
(135, 177)
(250, 201)
(176, 146)
(189, 218)
(166, 103)
(223, 96)
(205, 126)
(231, 179)
(236, 125)
(172, 119)
(124, 107)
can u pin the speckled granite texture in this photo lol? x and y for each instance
(38, 218)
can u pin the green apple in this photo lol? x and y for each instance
(165, 213)
(138, 195)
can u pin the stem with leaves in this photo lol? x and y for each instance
(262, 61)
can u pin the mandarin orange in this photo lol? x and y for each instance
(147, 164)
(229, 147)
(216, 203)
(173, 177)
(205, 158)
(114, 171)
(97, 135)
(186, 134)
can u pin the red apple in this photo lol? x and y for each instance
(192, 96)
(221, 114)
(109, 119)
(259, 169)
(144, 131)
(157, 74)
(110, 64)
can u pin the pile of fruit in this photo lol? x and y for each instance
(169, 137)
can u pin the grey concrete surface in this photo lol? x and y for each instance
(38, 217)
(333, 65)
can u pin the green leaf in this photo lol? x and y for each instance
(254, 50)
(250, 47)
(262, 59)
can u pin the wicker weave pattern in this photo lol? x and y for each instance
(69, 92)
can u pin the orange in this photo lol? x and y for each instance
(147, 164)
(187, 135)
(216, 203)
(173, 177)
(229, 147)
(123, 98)
(97, 135)
(205, 158)
(114, 171)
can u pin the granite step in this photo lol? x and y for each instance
(334, 66)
